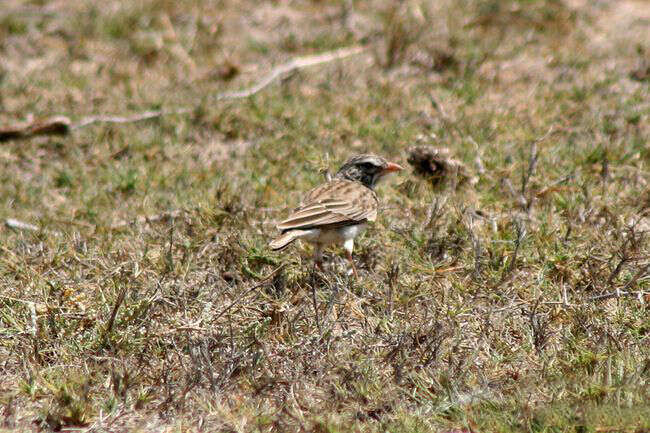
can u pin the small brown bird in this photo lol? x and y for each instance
(337, 211)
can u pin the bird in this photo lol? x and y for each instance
(338, 210)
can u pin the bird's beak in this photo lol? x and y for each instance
(391, 167)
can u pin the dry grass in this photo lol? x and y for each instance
(518, 303)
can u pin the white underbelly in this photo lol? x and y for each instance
(333, 236)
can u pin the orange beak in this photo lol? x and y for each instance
(391, 167)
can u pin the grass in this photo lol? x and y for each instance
(478, 308)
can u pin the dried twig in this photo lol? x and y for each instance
(89, 120)
(290, 67)
(623, 292)
(19, 225)
(618, 294)
(15, 224)
(116, 306)
(57, 125)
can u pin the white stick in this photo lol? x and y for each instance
(287, 68)
(19, 225)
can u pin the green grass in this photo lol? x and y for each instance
(457, 322)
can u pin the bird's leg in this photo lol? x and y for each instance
(348, 246)
(351, 260)
(318, 257)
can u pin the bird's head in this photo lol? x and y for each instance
(367, 169)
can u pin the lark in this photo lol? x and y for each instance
(337, 211)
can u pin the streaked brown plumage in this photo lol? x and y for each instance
(337, 211)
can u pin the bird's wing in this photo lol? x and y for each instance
(335, 203)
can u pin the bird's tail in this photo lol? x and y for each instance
(286, 238)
